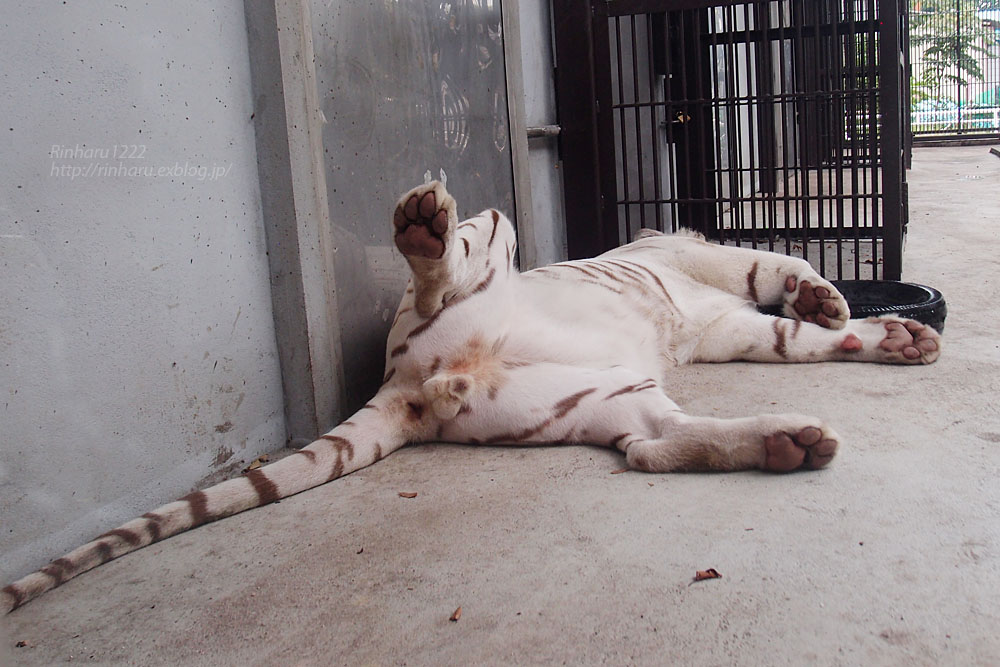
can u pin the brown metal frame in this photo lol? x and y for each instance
(860, 132)
(590, 211)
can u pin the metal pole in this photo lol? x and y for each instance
(889, 138)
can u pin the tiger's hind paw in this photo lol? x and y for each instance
(424, 221)
(447, 393)
(811, 447)
(817, 301)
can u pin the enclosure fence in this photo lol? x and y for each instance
(955, 57)
(766, 124)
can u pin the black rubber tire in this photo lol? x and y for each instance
(871, 298)
(868, 298)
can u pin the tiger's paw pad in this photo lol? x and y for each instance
(811, 447)
(852, 343)
(909, 342)
(424, 220)
(447, 393)
(817, 301)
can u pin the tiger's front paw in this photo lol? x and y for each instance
(815, 300)
(424, 221)
(908, 341)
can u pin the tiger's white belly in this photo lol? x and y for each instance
(601, 329)
(528, 318)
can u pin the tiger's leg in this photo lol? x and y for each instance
(747, 335)
(765, 278)
(392, 418)
(777, 443)
(551, 403)
(448, 257)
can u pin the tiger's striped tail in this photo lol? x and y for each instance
(385, 424)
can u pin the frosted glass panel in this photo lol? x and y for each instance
(406, 88)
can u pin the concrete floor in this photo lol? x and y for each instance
(891, 556)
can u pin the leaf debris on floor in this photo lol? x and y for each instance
(257, 463)
(710, 573)
(407, 494)
(457, 614)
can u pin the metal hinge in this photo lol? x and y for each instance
(544, 131)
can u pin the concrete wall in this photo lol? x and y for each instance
(137, 349)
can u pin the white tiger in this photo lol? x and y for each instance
(575, 352)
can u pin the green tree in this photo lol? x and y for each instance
(953, 41)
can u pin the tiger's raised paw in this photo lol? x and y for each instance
(811, 447)
(424, 221)
(908, 341)
(817, 301)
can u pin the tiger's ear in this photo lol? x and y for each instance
(689, 233)
(645, 233)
